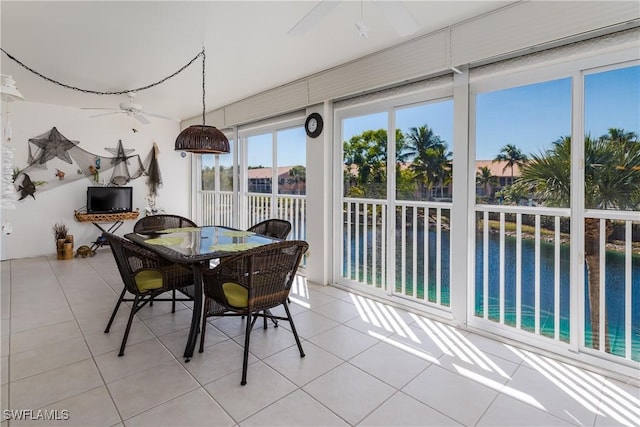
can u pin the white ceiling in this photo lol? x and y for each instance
(120, 45)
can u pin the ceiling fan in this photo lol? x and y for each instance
(130, 109)
(396, 13)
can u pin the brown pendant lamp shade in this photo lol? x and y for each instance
(202, 139)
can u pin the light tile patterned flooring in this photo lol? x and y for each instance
(366, 364)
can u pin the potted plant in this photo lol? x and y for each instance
(64, 241)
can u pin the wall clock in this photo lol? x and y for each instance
(313, 125)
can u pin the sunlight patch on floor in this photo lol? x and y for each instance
(382, 316)
(497, 386)
(591, 390)
(404, 347)
(452, 343)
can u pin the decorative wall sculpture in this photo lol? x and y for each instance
(71, 163)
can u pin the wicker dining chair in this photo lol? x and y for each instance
(278, 228)
(146, 275)
(151, 223)
(251, 283)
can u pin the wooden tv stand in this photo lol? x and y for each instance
(116, 218)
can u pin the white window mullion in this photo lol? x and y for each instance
(577, 293)
(273, 202)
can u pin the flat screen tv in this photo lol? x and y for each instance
(109, 199)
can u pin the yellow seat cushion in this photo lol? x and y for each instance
(237, 296)
(148, 280)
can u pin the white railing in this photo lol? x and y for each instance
(292, 208)
(521, 261)
(495, 306)
(423, 258)
(495, 254)
(364, 238)
(625, 248)
(419, 251)
(215, 208)
(258, 208)
(523, 275)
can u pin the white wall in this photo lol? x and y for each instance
(32, 220)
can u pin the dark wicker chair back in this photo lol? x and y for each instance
(146, 275)
(278, 228)
(261, 279)
(152, 223)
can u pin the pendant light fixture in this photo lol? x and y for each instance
(202, 139)
(8, 90)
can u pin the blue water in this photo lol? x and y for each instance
(615, 281)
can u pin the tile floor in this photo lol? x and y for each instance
(366, 364)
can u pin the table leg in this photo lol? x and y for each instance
(197, 313)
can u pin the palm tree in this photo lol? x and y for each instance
(440, 166)
(430, 159)
(486, 180)
(513, 194)
(620, 135)
(612, 181)
(513, 156)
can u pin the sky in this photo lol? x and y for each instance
(531, 117)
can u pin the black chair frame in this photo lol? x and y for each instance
(274, 227)
(152, 223)
(267, 272)
(131, 259)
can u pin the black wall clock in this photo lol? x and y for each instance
(313, 125)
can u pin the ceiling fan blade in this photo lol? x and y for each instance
(160, 116)
(99, 108)
(142, 119)
(105, 114)
(309, 20)
(398, 16)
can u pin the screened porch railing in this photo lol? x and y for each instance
(619, 280)
(217, 208)
(292, 208)
(523, 280)
(509, 261)
(419, 246)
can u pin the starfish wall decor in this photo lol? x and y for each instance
(53, 144)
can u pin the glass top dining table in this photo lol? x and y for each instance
(197, 246)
